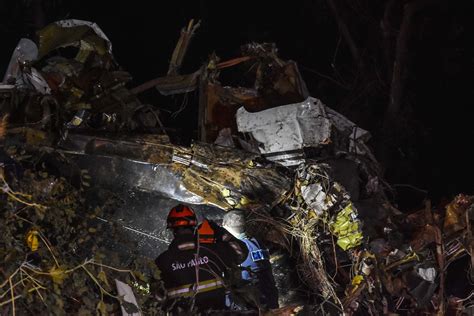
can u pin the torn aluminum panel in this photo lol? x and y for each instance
(357, 135)
(135, 171)
(202, 174)
(284, 131)
(25, 51)
(20, 72)
(92, 25)
(33, 78)
(87, 36)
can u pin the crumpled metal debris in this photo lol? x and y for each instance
(65, 109)
(201, 174)
(85, 91)
(273, 82)
(332, 205)
(85, 35)
(313, 226)
(428, 274)
(25, 51)
(282, 132)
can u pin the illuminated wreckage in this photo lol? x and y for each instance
(302, 171)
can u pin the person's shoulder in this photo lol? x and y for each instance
(256, 240)
(162, 257)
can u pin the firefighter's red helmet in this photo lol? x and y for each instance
(181, 216)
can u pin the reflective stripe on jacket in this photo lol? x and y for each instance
(192, 288)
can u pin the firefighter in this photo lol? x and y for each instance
(256, 268)
(194, 272)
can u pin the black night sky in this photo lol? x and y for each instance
(428, 144)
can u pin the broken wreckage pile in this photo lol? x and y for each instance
(53, 255)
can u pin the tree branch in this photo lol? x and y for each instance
(347, 37)
(401, 57)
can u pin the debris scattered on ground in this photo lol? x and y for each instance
(75, 140)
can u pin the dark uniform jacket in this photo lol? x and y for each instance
(189, 268)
